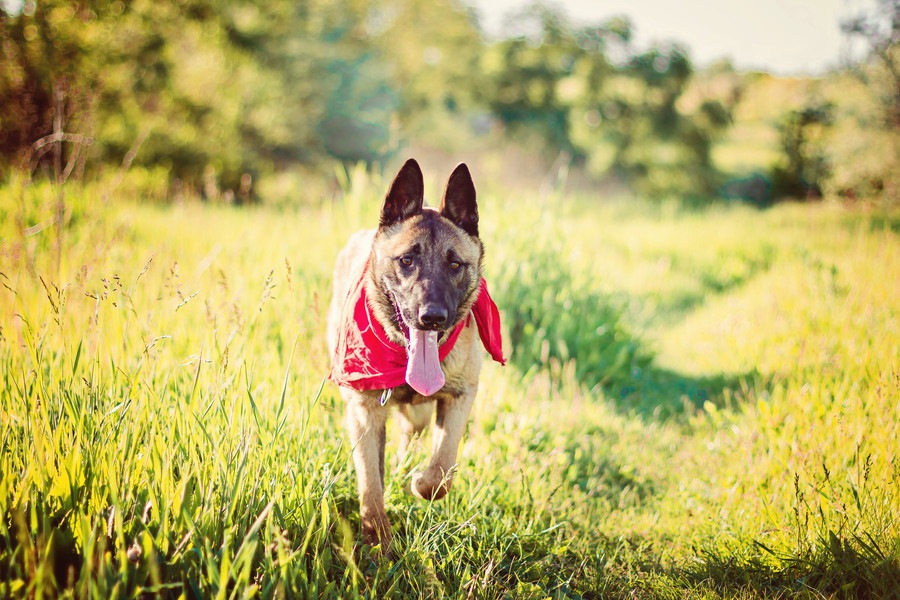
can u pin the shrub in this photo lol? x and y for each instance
(554, 317)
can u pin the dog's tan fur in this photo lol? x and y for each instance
(450, 232)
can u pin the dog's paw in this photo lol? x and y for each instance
(376, 530)
(431, 485)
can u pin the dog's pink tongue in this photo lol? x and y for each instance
(423, 367)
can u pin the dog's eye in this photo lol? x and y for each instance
(406, 261)
(455, 265)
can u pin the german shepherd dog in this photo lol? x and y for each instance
(407, 288)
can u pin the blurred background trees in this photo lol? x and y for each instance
(216, 96)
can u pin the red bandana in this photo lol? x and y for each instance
(366, 359)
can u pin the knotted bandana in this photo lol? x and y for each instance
(366, 359)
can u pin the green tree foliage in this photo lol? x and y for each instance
(45, 52)
(432, 50)
(588, 93)
(210, 91)
(656, 143)
(168, 75)
(216, 93)
(866, 165)
(528, 73)
(879, 28)
(803, 166)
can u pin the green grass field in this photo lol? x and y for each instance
(699, 404)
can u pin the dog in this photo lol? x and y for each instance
(409, 313)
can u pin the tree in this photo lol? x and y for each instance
(865, 164)
(880, 31)
(45, 72)
(803, 167)
(526, 72)
(216, 90)
(586, 93)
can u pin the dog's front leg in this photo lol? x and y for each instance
(366, 426)
(450, 422)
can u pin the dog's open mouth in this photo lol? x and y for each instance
(423, 366)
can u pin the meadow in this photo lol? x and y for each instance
(699, 404)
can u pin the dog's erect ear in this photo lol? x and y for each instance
(458, 203)
(406, 195)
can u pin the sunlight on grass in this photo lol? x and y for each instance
(167, 427)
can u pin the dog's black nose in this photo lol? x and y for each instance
(433, 316)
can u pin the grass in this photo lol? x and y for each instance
(167, 428)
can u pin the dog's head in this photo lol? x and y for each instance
(426, 263)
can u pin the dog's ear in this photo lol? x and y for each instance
(458, 203)
(406, 195)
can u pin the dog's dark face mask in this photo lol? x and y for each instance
(435, 271)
